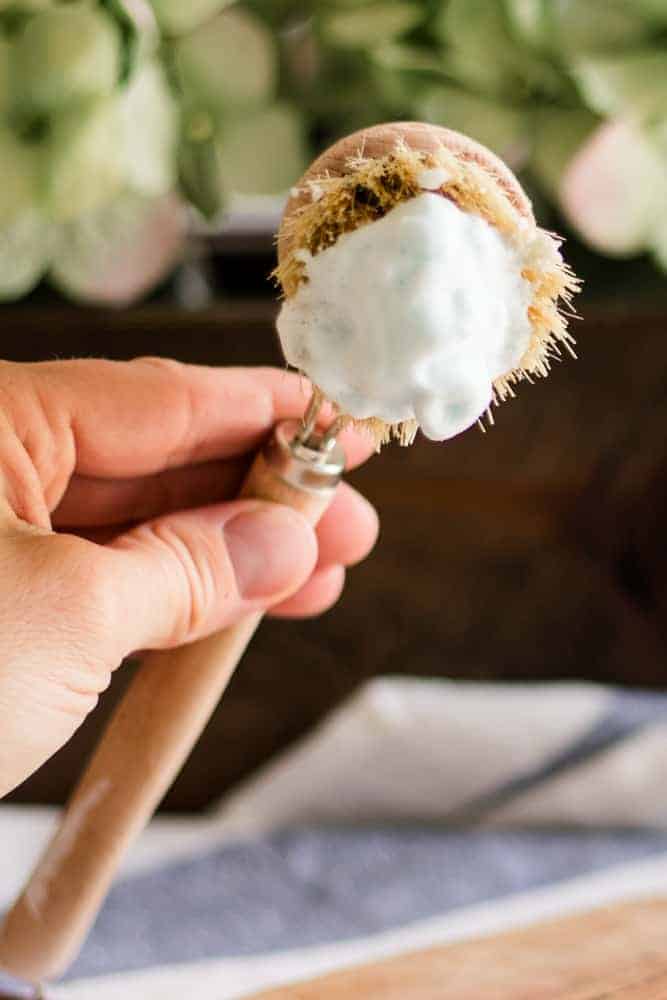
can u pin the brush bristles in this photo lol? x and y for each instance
(372, 187)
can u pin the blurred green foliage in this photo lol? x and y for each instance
(119, 102)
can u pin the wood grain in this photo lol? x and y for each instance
(616, 953)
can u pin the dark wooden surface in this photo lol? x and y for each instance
(534, 551)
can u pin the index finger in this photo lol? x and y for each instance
(140, 417)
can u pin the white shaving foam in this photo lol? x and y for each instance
(412, 316)
(432, 178)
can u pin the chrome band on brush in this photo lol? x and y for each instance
(315, 465)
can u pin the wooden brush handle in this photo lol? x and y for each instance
(147, 741)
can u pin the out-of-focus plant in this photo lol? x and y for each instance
(88, 134)
(117, 114)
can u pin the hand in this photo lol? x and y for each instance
(117, 531)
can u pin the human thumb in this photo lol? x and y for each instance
(185, 575)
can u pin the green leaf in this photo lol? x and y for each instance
(199, 164)
(18, 190)
(118, 253)
(24, 255)
(149, 124)
(632, 84)
(129, 34)
(400, 57)
(14, 14)
(557, 137)
(399, 73)
(369, 25)
(502, 128)
(482, 55)
(83, 159)
(177, 17)
(28, 6)
(227, 63)
(263, 152)
(463, 22)
(5, 74)
(65, 55)
(528, 20)
(654, 10)
(577, 26)
(656, 133)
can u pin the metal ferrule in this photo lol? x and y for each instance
(304, 465)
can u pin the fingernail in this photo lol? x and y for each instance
(272, 550)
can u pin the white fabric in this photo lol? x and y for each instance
(402, 749)
(231, 978)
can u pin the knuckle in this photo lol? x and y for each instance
(195, 556)
(36, 446)
(74, 582)
(86, 586)
(180, 404)
(50, 443)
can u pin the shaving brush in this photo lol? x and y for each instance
(427, 228)
(477, 225)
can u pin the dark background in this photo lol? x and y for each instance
(535, 551)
